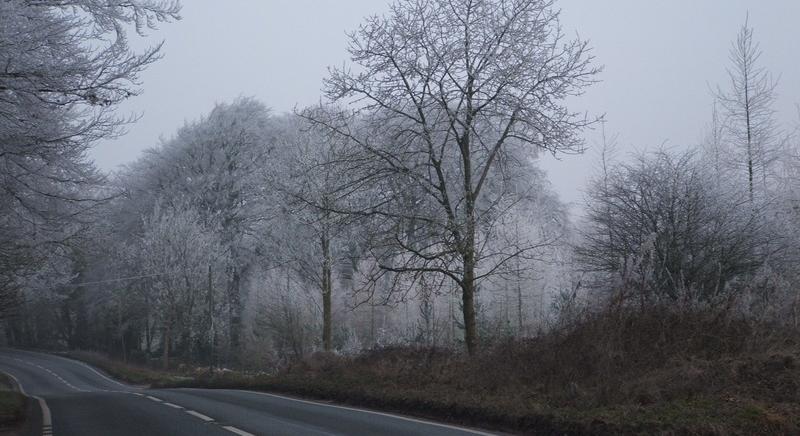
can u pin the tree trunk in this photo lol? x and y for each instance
(468, 254)
(749, 133)
(372, 323)
(124, 349)
(148, 331)
(519, 309)
(121, 331)
(326, 293)
(212, 331)
(166, 346)
(468, 247)
(468, 301)
(235, 314)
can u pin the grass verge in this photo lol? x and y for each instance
(12, 404)
(133, 374)
(616, 373)
(609, 374)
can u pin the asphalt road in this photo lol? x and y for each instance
(76, 399)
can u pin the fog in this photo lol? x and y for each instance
(661, 61)
(526, 216)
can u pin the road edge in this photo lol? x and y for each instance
(44, 409)
(310, 399)
(335, 405)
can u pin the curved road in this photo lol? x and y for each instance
(75, 399)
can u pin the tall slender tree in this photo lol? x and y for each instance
(747, 108)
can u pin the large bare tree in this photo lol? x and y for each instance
(447, 103)
(66, 65)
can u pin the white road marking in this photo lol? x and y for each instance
(61, 379)
(200, 415)
(174, 406)
(137, 394)
(388, 415)
(89, 367)
(97, 372)
(47, 419)
(237, 431)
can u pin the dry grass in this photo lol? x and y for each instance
(614, 373)
(129, 373)
(12, 404)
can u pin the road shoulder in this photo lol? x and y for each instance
(20, 414)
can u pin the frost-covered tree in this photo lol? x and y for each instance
(449, 98)
(663, 231)
(313, 233)
(211, 166)
(66, 66)
(184, 254)
(748, 115)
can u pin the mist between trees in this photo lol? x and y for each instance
(407, 208)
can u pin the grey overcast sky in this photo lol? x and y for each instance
(660, 58)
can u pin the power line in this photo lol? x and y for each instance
(100, 282)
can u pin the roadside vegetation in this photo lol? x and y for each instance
(139, 375)
(12, 404)
(658, 371)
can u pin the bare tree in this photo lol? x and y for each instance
(747, 107)
(668, 233)
(313, 239)
(450, 99)
(210, 166)
(66, 67)
(176, 244)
